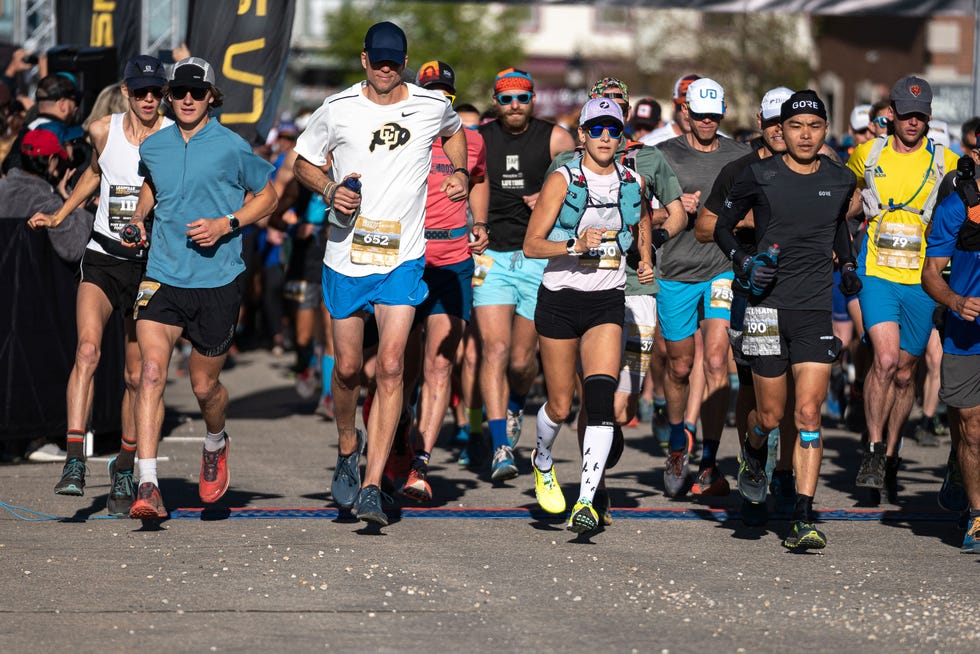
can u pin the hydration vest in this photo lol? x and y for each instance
(577, 201)
(937, 165)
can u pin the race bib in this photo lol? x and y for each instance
(606, 257)
(760, 333)
(376, 242)
(639, 345)
(144, 295)
(721, 294)
(122, 204)
(899, 245)
(481, 266)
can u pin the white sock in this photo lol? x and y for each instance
(148, 471)
(595, 450)
(214, 442)
(547, 432)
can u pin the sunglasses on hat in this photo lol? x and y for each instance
(505, 99)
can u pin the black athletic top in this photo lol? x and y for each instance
(804, 214)
(516, 166)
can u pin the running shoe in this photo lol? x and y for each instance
(675, 473)
(661, 426)
(214, 474)
(148, 504)
(324, 408)
(834, 409)
(891, 477)
(72, 480)
(515, 423)
(462, 436)
(464, 458)
(546, 488)
(711, 483)
(804, 536)
(347, 475)
(927, 432)
(752, 480)
(417, 485)
(971, 539)
(584, 518)
(502, 467)
(952, 494)
(307, 383)
(602, 506)
(368, 507)
(783, 490)
(398, 465)
(754, 514)
(871, 474)
(122, 490)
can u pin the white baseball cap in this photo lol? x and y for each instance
(939, 132)
(860, 117)
(772, 101)
(705, 96)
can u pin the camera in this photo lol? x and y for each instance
(30, 58)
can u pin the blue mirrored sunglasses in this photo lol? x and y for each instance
(615, 131)
(505, 99)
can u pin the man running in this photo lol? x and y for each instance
(519, 149)
(799, 201)
(196, 173)
(379, 132)
(110, 272)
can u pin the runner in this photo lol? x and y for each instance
(519, 149)
(799, 201)
(110, 273)
(379, 132)
(196, 173)
(582, 225)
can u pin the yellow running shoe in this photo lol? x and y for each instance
(584, 518)
(546, 489)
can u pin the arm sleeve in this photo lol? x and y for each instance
(842, 237)
(740, 199)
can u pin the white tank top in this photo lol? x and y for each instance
(121, 182)
(604, 268)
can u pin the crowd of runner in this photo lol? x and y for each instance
(420, 256)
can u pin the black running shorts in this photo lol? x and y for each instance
(208, 316)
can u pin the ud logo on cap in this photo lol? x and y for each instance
(708, 93)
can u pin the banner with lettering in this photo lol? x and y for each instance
(247, 43)
(101, 24)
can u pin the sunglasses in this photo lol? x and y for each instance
(180, 92)
(614, 96)
(505, 99)
(595, 131)
(141, 94)
(699, 117)
(881, 121)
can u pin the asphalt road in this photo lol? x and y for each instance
(273, 567)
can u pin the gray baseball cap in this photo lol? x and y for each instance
(912, 95)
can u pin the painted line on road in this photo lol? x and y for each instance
(710, 515)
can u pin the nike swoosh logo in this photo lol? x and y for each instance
(410, 113)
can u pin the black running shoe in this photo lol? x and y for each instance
(752, 480)
(804, 536)
(72, 480)
(122, 490)
(871, 474)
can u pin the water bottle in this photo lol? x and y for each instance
(337, 218)
(771, 255)
(773, 453)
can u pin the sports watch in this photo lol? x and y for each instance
(233, 222)
(570, 247)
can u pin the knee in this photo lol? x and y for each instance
(495, 351)
(204, 389)
(153, 375)
(808, 416)
(716, 365)
(347, 372)
(132, 378)
(904, 376)
(886, 364)
(679, 368)
(87, 354)
(557, 409)
(389, 367)
(768, 419)
(523, 363)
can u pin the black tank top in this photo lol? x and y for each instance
(516, 165)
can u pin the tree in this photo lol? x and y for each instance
(476, 40)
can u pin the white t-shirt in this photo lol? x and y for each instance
(390, 146)
(659, 135)
(592, 271)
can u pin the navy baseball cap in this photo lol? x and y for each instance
(144, 71)
(386, 42)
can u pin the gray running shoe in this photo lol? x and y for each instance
(502, 467)
(675, 473)
(871, 474)
(368, 507)
(72, 480)
(515, 423)
(122, 490)
(347, 475)
(752, 481)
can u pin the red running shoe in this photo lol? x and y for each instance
(214, 474)
(148, 504)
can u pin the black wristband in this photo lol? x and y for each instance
(485, 226)
(462, 170)
(659, 237)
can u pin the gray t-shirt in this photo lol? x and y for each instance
(682, 258)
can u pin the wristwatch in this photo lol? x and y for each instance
(233, 222)
(570, 247)
(462, 170)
